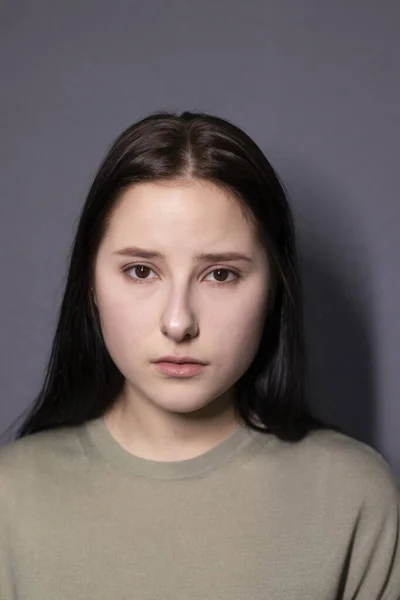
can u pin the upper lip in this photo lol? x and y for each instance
(180, 359)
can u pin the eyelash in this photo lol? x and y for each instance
(217, 283)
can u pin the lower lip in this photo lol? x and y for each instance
(180, 370)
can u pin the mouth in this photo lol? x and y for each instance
(174, 369)
(184, 360)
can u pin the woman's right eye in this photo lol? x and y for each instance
(141, 272)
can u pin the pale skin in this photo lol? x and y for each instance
(177, 305)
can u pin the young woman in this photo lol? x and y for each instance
(171, 453)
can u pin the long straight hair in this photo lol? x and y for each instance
(81, 380)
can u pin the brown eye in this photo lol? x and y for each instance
(219, 271)
(139, 273)
(142, 271)
(220, 275)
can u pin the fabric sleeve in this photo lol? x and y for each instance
(7, 583)
(374, 563)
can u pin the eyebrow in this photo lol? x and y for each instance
(203, 257)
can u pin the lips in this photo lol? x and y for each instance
(180, 360)
(173, 369)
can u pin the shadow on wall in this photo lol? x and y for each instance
(340, 364)
(336, 277)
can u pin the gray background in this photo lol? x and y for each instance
(315, 83)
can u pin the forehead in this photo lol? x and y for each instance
(176, 213)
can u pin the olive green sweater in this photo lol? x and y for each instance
(254, 518)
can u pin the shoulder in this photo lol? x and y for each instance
(333, 470)
(355, 466)
(27, 459)
(40, 443)
(361, 497)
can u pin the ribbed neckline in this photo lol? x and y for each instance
(242, 438)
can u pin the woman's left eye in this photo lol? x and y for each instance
(224, 271)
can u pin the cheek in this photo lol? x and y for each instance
(237, 329)
(124, 327)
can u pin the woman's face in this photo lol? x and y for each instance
(212, 309)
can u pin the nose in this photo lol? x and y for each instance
(178, 320)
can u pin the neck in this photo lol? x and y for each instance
(147, 431)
